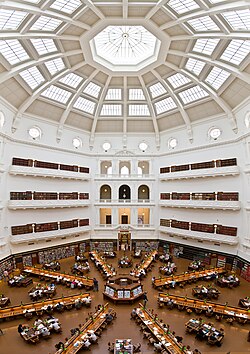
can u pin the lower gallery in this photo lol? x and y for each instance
(151, 264)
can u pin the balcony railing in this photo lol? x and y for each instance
(46, 204)
(124, 226)
(125, 201)
(201, 204)
(125, 176)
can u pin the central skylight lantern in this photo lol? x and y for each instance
(125, 48)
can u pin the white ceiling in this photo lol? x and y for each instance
(202, 66)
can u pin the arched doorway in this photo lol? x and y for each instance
(105, 192)
(143, 193)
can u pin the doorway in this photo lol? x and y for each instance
(124, 219)
(108, 220)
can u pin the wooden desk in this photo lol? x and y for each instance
(187, 277)
(93, 324)
(185, 302)
(14, 311)
(66, 278)
(167, 339)
(205, 331)
(210, 293)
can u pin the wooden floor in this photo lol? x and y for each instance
(235, 340)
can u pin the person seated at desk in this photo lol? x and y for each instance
(133, 313)
(92, 337)
(43, 330)
(204, 290)
(209, 311)
(111, 347)
(37, 322)
(59, 346)
(200, 334)
(109, 318)
(54, 325)
(158, 347)
(137, 348)
(86, 343)
(59, 307)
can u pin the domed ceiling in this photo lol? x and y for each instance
(124, 66)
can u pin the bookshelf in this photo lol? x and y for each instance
(200, 227)
(17, 161)
(49, 226)
(102, 246)
(228, 196)
(49, 255)
(32, 195)
(200, 165)
(7, 264)
(165, 196)
(146, 246)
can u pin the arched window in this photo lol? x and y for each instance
(124, 171)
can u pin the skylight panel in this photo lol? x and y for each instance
(157, 90)
(32, 77)
(216, 1)
(33, 1)
(68, 6)
(114, 94)
(182, 6)
(92, 89)
(11, 20)
(236, 51)
(13, 51)
(165, 105)
(138, 110)
(217, 77)
(193, 94)
(44, 23)
(205, 45)
(195, 66)
(55, 65)
(85, 105)
(71, 80)
(44, 45)
(204, 23)
(111, 110)
(178, 80)
(238, 20)
(136, 95)
(57, 94)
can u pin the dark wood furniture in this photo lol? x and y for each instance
(123, 289)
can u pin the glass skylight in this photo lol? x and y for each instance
(85, 105)
(11, 20)
(71, 80)
(68, 6)
(111, 110)
(57, 94)
(32, 77)
(125, 45)
(138, 110)
(238, 20)
(216, 1)
(33, 1)
(178, 80)
(193, 94)
(165, 105)
(236, 51)
(136, 95)
(205, 45)
(55, 65)
(195, 65)
(114, 94)
(92, 89)
(217, 77)
(182, 6)
(202, 24)
(157, 90)
(44, 45)
(13, 51)
(44, 23)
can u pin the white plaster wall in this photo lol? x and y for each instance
(229, 145)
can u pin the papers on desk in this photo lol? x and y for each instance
(229, 312)
(102, 316)
(147, 322)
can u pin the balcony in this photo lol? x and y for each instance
(200, 236)
(131, 177)
(128, 202)
(47, 173)
(48, 235)
(126, 227)
(201, 204)
(47, 204)
(201, 173)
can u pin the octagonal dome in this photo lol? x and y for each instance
(127, 48)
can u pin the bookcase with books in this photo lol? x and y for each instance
(102, 246)
(146, 246)
(52, 254)
(7, 264)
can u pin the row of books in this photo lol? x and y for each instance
(233, 196)
(48, 226)
(29, 195)
(194, 226)
(200, 165)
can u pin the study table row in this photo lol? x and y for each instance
(39, 307)
(182, 302)
(166, 338)
(211, 273)
(100, 262)
(144, 265)
(93, 324)
(65, 279)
